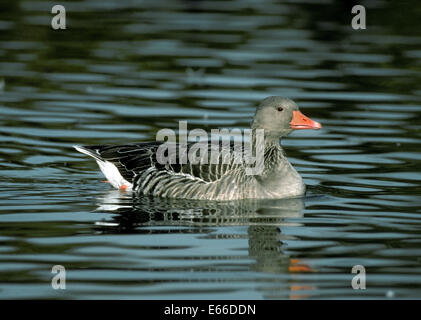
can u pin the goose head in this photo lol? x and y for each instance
(279, 116)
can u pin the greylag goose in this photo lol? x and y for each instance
(140, 167)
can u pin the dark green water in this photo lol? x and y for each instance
(122, 70)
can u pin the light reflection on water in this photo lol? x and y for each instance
(124, 70)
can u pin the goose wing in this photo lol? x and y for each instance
(207, 162)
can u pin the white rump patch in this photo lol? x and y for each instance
(109, 170)
(112, 174)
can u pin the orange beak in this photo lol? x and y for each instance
(300, 121)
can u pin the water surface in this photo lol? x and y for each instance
(122, 70)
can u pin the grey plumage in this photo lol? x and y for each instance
(227, 179)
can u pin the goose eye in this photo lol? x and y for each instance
(280, 109)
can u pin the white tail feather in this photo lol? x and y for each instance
(109, 170)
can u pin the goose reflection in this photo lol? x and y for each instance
(132, 213)
(263, 219)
